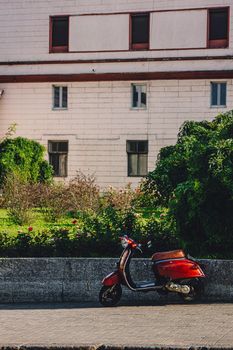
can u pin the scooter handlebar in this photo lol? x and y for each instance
(126, 241)
(139, 248)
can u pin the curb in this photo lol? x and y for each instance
(110, 347)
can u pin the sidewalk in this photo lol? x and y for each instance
(152, 326)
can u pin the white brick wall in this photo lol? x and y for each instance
(24, 26)
(99, 120)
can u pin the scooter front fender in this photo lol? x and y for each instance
(111, 279)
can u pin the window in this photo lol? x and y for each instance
(138, 96)
(218, 94)
(218, 28)
(140, 31)
(59, 34)
(137, 157)
(58, 154)
(60, 97)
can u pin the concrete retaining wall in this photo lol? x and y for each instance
(79, 279)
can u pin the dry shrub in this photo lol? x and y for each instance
(52, 199)
(56, 199)
(17, 198)
(122, 199)
(83, 192)
(1, 199)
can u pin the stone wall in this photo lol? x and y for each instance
(79, 279)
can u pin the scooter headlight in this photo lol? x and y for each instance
(124, 242)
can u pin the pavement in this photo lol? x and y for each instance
(89, 326)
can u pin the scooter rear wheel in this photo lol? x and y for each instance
(196, 291)
(110, 295)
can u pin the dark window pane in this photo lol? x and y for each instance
(60, 96)
(214, 94)
(132, 146)
(58, 146)
(218, 26)
(142, 164)
(140, 29)
(53, 146)
(223, 90)
(132, 164)
(63, 146)
(143, 99)
(137, 146)
(58, 154)
(64, 97)
(138, 96)
(59, 163)
(54, 161)
(142, 146)
(137, 158)
(60, 31)
(62, 164)
(137, 164)
(135, 96)
(56, 94)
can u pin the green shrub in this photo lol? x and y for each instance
(25, 157)
(194, 180)
(90, 234)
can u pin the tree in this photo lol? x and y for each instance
(25, 157)
(194, 180)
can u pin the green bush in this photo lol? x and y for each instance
(90, 234)
(25, 157)
(194, 180)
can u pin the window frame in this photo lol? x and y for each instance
(60, 108)
(58, 49)
(57, 153)
(218, 43)
(138, 46)
(137, 153)
(138, 108)
(218, 94)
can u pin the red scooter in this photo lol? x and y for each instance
(172, 270)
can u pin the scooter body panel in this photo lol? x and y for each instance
(112, 279)
(175, 269)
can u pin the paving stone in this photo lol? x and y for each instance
(135, 326)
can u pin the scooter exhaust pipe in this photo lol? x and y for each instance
(178, 288)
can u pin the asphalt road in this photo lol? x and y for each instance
(209, 325)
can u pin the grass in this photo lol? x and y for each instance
(37, 222)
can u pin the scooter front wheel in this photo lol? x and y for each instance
(110, 295)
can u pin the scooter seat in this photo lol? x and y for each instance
(173, 254)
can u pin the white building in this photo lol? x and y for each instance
(104, 84)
